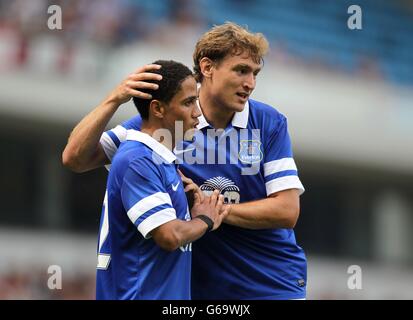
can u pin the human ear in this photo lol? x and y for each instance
(206, 65)
(157, 109)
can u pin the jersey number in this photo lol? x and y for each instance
(104, 258)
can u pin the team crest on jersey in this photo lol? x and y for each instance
(250, 151)
(226, 187)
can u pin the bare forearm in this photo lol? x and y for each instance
(190, 231)
(269, 213)
(83, 151)
(177, 233)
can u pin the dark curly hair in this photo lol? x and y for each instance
(173, 74)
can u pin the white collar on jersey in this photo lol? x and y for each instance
(239, 120)
(146, 139)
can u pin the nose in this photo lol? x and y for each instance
(249, 83)
(196, 112)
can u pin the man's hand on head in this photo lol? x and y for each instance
(134, 83)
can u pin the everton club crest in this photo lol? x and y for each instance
(250, 151)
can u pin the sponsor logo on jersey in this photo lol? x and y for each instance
(226, 187)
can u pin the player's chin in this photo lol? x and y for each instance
(189, 134)
(238, 106)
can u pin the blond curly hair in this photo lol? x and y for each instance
(228, 38)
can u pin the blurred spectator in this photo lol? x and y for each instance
(182, 25)
(25, 284)
(306, 36)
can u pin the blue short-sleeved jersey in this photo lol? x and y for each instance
(143, 192)
(249, 161)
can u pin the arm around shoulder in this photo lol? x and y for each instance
(83, 151)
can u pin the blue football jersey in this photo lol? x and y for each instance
(249, 160)
(143, 192)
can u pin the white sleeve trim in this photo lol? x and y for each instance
(284, 183)
(107, 143)
(147, 204)
(279, 165)
(156, 220)
(120, 132)
(108, 146)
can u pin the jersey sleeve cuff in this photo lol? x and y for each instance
(108, 146)
(284, 183)
(155, 220)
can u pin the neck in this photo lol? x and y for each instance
(150, 129)
(217, 116)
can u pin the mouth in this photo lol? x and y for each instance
(242, 95)
(195, 125)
